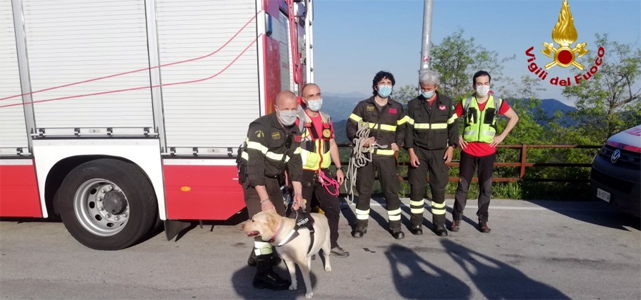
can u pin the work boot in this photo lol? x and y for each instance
(438, 222)
(416, 220)
(395, 229)
(416, 229)
(266, 278)
(360, 229)
(275, 259)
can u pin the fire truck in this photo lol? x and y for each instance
(120, 115)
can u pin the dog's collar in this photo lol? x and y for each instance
(280, 227)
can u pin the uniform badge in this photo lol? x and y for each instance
(259, 134)
(276, 135)
(370, 108)
(297, 138)
(441, 107)
(392, 111)
(326, 133)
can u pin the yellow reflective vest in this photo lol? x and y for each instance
(480, 125)
(315, 149)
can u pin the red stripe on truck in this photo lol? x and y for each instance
(202, 192)
(142, 69)
(19, 196)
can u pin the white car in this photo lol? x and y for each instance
(616, 171)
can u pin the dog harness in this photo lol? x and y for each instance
(303, 219)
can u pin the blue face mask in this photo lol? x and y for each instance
(315, 105)
(384, 90)
(427, 94)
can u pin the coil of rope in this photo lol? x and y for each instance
(361, 155)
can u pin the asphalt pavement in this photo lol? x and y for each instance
(536, 250)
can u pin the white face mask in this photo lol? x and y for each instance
(482, 90)
(287, 117)
(315, 105)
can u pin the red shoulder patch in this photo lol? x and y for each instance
(392, 111)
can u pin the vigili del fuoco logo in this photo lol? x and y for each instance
(564, 34)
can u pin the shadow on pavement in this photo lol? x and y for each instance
(416, 278)
(242, 283)
(498, 280)
(594, 212)
(373, 215)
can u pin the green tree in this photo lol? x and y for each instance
(457, 59)
(609, 100)
(405, 93)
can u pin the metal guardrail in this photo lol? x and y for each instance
(522, 164)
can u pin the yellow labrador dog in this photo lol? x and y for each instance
(278, 231)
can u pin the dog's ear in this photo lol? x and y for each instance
(273, 220)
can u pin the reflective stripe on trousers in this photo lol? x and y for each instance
(438, 208)
(417, 207)
(394, 215)
(362, 214)
(262, 248)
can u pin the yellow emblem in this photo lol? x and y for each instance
(259, 134)
(276, 135)
(326, 133)
(564, 34)
(370, 108)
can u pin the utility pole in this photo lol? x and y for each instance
(427, 32)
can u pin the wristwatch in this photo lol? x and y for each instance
(340, 168)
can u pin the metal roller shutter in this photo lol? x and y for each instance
(210, 100)
(77, 40)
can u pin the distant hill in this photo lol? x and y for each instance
(549, 106)
(339, 108)
(339, 130)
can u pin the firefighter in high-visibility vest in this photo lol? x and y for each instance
(319, 149)
(431, 137)
(272, 147)
(386, 120)
(478, 143)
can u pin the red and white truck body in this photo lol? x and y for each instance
(163, 88)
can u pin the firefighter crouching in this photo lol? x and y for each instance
(431, 137)
(387, 128)
(272, 147)
(319, 149)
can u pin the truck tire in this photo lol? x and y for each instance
(107, 204)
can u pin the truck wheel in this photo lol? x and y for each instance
(107, 204)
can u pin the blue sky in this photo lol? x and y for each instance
(353, 39)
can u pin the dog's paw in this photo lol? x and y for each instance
(309, 295)
(328, 268)
(293, 286)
